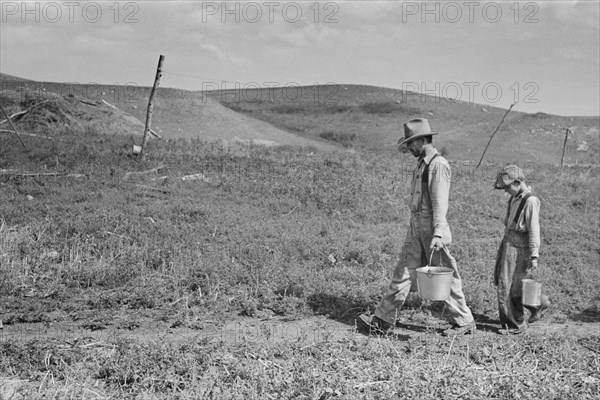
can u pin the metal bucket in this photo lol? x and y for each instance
(434, 282)
(532, 293)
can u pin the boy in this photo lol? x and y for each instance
(519, 251)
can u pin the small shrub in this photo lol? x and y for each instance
(345, 139)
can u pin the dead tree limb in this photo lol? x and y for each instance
(28, 134)
(491, 137)
(152, 188)
(88, 102)
(20, 113)
(13, 127)
(150, 171)
(13, 172)
(110, 105)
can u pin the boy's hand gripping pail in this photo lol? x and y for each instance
(532, 292)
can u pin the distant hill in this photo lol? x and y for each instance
(12, 78)
(338, 117)
(371, 118)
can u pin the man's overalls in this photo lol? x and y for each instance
(415, 250)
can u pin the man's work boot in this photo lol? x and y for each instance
(457, 330)
(373, 325)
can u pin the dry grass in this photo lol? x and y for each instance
(268, 231)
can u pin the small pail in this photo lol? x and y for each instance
(434, 282)
(532, 292)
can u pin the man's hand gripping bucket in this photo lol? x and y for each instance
(434, 281)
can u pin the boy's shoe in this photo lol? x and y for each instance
(536, 316)
(457, 330)
(373, 325)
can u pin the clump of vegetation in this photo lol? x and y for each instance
(345, 139)
(387, 107)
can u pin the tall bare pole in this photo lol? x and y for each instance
(150, 106)
(12, 126)
(491, 137)
(562, 158)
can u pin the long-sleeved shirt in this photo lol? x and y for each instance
(433, 201)
(529, 220)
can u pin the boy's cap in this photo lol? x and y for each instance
(508, 175)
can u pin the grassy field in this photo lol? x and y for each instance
(95, 238)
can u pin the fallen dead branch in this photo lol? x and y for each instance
(12, 126)
(153, 188)
(363, 385)
(28, 134)
(110, 105)
(88, 102)
(150, 171)
(13, 172)
(19, 113)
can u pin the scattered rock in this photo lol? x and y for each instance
(195, 177)
(583, 147)
(51, 255)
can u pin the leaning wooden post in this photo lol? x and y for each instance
(13, 127)
(491, 137)
(149, 113)
(562, 159)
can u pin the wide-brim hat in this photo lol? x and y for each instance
(507, 175)
(415, 129)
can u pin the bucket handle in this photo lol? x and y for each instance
(429, 273)
(431, 257)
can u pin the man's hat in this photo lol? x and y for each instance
(507, 175)
(414, 129)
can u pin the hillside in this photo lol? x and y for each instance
(337, 117)
(176, 113)
(371, 118)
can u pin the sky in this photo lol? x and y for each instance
(543, 56)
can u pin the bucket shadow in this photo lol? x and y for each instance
(588, 315)
(390, 336)
(486, 324)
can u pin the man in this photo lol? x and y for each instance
(518, 254)
(429, 231)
